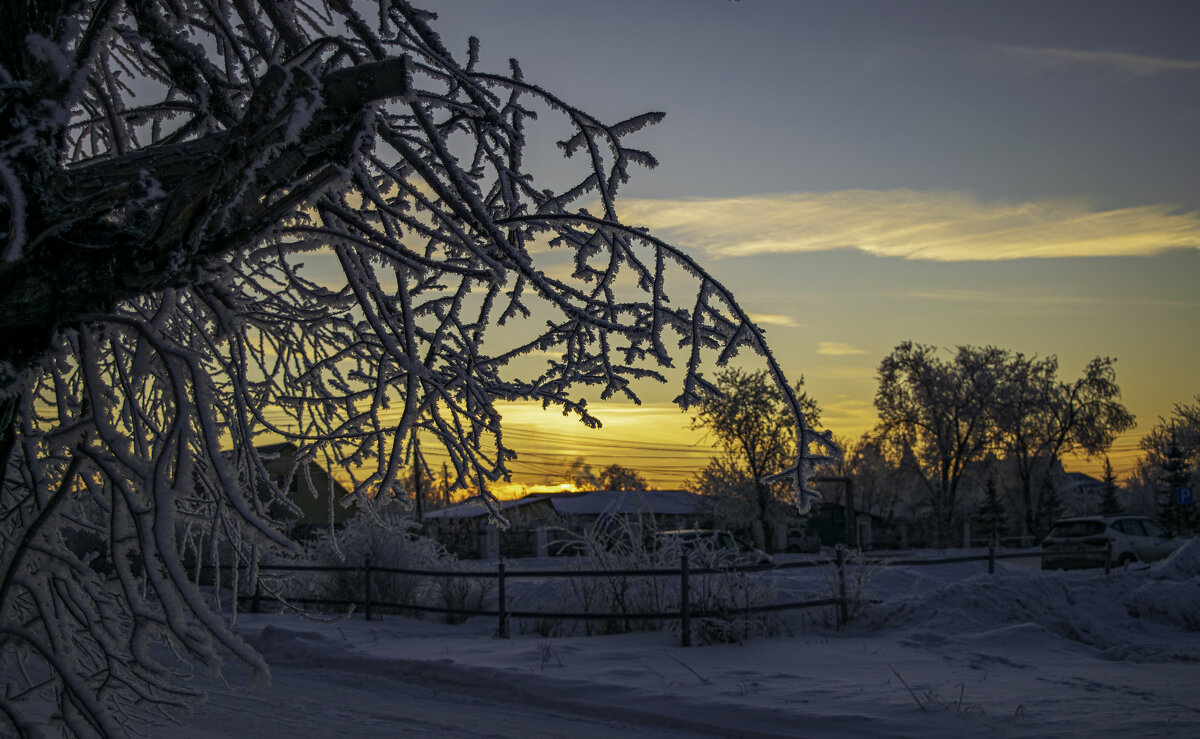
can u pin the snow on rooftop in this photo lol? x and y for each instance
(590, 503)
(598, 502)
(473, 507)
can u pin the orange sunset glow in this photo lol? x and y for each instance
(861, 179)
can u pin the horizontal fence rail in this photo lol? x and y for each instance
(685, 572)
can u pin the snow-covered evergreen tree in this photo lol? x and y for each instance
(313, 221)
(1177, 517)
(1110, 504)
(1171, 460)
(991, 515)
(1050, 505)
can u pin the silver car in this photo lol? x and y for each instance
(1076, 542)
(713, 547)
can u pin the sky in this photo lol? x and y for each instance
(861, 174)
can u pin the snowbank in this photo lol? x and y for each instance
(1171, 593)
(1132, 614)
(948, 652)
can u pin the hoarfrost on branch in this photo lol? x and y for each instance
(304, 220)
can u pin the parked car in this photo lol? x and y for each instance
(713, 547)
(1072, 542)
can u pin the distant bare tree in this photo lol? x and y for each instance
(617, 477)
(751, 424)
(1181, 430)
(939, 418)
(879, 485)
(225, 219)
(1041, 419)
(613, 477)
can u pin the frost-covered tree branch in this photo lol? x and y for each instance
(224, 221)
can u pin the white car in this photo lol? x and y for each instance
(1073, 542)
(713, 547)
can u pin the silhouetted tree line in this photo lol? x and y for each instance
(981, 437)
(1170, 460)
(975, 435)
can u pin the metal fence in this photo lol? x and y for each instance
(840, 599)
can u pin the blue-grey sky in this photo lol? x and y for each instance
(863, 173)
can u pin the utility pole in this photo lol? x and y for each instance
(445, 486)
(420, 505)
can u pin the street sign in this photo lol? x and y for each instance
(1184, 496)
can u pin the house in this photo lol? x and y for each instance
(537, 522)
(308, 487)
(871, 531)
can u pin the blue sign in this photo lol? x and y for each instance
(1183, 496)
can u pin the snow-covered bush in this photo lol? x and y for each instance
(614, 544)
(849, 582)
(385, 535)
(721, 600)
(464, 593)
(725, 600)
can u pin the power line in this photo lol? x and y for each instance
(624, 444)
(568, 455)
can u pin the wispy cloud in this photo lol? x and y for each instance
(773, 319)
(1031, 297)
(838, 349)
(1004, 296)
(929, 225)
(851, 372)
(1115, 61)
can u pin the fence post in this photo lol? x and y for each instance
(991, 559)
(685, 616)
(1108, 556)
(843, 608)
(367, 589)
(501, 605)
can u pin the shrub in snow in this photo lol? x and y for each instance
(387, 535)
(465, 593)
(725, 600)
(721, 600)
(616, 545)
(851, 582)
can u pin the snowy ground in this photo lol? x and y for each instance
(949, 652)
